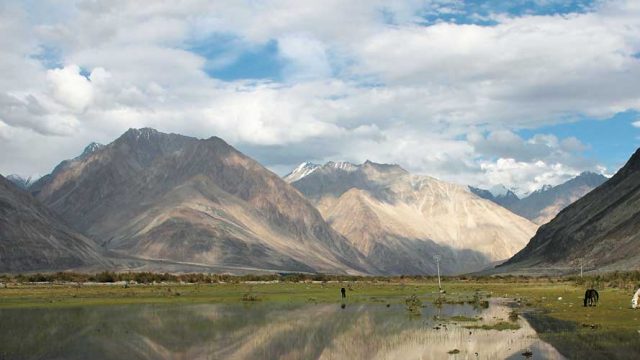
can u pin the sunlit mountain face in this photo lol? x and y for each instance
(399, 221)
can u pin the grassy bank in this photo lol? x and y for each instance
(560, 300)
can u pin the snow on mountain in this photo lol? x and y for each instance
(399, 220)
(301, 171)
(20, 181)
(543, 204)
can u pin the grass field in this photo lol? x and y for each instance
(554, 308)
(560, 300)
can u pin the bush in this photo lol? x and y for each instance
(413, 305)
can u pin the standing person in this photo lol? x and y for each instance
(343, 291)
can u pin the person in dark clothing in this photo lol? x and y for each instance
(343, 291)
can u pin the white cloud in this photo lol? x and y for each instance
(525, 177)
(362, 80)
(307, 57)
(70, 88)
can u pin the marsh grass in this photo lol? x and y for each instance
(462, 318)
(413, 305)
(500, 326)
(513, 315)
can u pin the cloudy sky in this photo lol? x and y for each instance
(523, 93)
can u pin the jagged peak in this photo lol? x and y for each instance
(15, 177)
(545, 187)
(341, 165)
(144, 133)
(20, 181)
(301, 171)
(499, 190)
(382, 167)
(306, 165)
(91, 148)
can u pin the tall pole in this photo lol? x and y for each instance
(437, 259)
(580, 267)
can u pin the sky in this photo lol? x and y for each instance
(521, 93)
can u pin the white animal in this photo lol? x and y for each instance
(635, 300)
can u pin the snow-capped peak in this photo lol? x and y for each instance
(499, 190)
(91, 148)
(544, 188)
(20, 181)
(301, 171)
(341, 165)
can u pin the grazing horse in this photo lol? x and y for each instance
(591, 297)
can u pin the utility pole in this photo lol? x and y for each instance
(581, 267)
(437, 259)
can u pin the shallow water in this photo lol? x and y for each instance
(262, 331)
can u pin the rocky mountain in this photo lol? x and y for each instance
(601, 229)
(498, 194)
(19, 181)
(36, 186)
(544, 204)
(180, 200)
(32, 238)
(400, 221)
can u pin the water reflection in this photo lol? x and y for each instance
(261, 331)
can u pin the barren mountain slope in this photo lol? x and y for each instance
(543, 205)
(602, 229)
(32, 238)
(399, 221)
(165, 196)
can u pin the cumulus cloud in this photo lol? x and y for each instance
(70, 88)
(525, 177)
(360, 80)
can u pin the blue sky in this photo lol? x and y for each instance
(520, 93)
(610, 141)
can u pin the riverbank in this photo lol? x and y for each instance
(560, 300)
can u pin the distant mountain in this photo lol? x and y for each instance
(400, 221)
(301, 171)
(32, 238)
(498, 194)
(602, 229)
(182, 200)
(544, 204)
(19, 181)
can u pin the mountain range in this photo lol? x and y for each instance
(543, 204)
(155, 196)
(19, 181)
(33, 238)
(399, 221)
(599, 231)
(167, 202)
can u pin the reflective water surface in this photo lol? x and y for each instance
(264, 331)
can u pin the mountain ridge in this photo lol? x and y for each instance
(33, 238)
(399, 220)
(599, 230)
(178, 198)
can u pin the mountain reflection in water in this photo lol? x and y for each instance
(262, 331)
